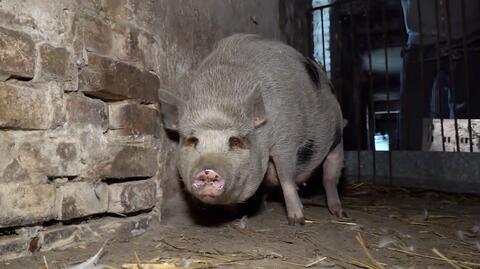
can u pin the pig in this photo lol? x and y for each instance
(255, 111)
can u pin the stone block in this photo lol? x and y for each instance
(15, 172)
(115, 10)
(93, 34)
(118, 10)
(51, 156)
(132, 196)
(135, 227)
(61, 237)
(55, 63)
(35, 156)
(28, 108)
(136, 47)
(131, 118)
(11, 168)
(17, 52)
(26, 204)
(131, 161)
(79, 199)
(153, 54)
(64, 237)
(126, 44)
(12, 247)
(82, 110)
(108, 79)
(149, 14)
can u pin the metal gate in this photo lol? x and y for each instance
(407, 74)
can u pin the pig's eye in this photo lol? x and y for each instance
(191, 142)
(236, 143)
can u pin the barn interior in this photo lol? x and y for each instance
(86, 165)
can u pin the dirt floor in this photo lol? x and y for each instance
(387, 228)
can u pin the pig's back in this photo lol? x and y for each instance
(299, 103)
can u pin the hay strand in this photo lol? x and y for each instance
(446, 259)
(45, 262)
(365, 250)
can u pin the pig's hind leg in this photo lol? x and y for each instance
(285, 169)
(332, 169)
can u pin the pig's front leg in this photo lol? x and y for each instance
(332, 168)
(286, 173)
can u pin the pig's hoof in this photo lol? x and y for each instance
(337, 211)
(296, 219)
(341, 214)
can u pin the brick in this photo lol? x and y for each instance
(62, 237)
(55, 63)
(131, 196)
(12, 247)
(116, 10)
(17, 52)
(136, 46)
(93, 33)
(132, 118)
(153, 54)
(26, 204)
(51, 156)
(131, 161)
(15, 172)
(79, 199)
(82, 110)
(126, 44)
(149, 13)
(32, 157)
(28, 108)
(11, 168)
(108, 79)
(133, 227)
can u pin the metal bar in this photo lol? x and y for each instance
(467, 74)
(323, 42)
(371, 110)
(387, 86)
(356, 93)
(450, 70)
(422, 62)
(403, 128)
(438, 59)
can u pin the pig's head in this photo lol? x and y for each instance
(217, 156)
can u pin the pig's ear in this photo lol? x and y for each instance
(257, 107)
(169, 109)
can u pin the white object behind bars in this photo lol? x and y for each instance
(432, 139)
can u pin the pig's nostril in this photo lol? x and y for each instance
(206, 178)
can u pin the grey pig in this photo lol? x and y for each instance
(254, 111)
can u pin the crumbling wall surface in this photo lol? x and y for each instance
(82, 148)
(80, 131)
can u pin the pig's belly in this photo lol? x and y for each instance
(304, 171)
(271, 179)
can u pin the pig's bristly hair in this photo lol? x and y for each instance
(219, 99)
(218, 119)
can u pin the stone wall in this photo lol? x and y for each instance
(80, 133)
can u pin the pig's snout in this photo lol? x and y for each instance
(208, 183)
